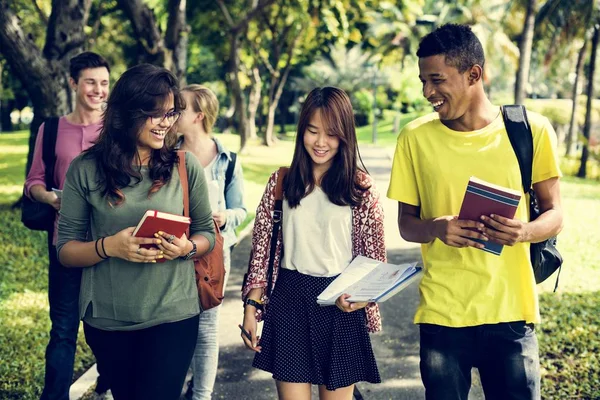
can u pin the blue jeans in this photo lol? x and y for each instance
(506, 355)
(206, 355)
(63, 295)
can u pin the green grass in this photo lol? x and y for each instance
(385, 129)
(569, 345)
(571, 317)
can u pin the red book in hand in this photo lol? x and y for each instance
(154, 221)
(484, 198)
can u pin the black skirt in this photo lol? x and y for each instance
(303, 342)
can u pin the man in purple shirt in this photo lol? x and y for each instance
(77, 132)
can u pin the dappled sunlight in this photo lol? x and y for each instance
(577, 242)
(259, 375)
(16, 149)
(402, 383)
(24, 309)
(11, 189)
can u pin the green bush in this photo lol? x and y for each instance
(362, 102)
(25, 326)
(569, 345)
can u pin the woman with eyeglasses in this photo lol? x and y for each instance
(140, 316)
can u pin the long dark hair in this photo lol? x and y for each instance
(141, 91)
(340, 181)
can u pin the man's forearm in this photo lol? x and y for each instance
(40, 194)
(547, 225)
(414, 229)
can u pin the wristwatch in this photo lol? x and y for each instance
(254, 303)
(192, 252)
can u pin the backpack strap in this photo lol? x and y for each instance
(184, 186)
(49, 150)
(277, 218)
(521, 139)
(230, 169)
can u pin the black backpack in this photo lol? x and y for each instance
(35, 215)
(545, 258)
(230, 169)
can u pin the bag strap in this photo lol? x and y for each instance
(277, 218)
(230, 169)
(49, 150)
(521, 139)
(184, 186)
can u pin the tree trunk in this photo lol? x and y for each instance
(44, 75)
(273, 103)
(525, 52)
(235, 32)
(588, 112)
(236, 88)
(278, 81)
(1, 91)
(151, 46)
(176, 38)
(254, 102)
(576, 88)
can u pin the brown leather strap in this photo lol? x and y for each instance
(277, 219)
(184, 186)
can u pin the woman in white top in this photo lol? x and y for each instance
(226, 194)
(331, 214)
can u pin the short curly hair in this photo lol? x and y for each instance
(457, 42)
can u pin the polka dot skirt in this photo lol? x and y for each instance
(304, 342)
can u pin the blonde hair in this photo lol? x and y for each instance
(206, 102)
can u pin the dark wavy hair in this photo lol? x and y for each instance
(340, 181)
(457, 42)
(141, 91)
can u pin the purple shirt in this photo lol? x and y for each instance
(71, 140)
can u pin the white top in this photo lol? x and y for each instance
(317, 236)
(214, 191)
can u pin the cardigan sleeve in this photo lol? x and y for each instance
(261, 239)
(371, 240)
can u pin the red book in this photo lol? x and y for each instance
(154, 221)
(484, 198)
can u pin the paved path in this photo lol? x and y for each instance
(396, 348)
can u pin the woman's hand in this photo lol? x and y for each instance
(173, 247)
(343, 304)
(126, 246)
(249, 325)
(220, 218)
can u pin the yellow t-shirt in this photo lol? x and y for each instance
(431, 169)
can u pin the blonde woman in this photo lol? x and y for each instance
(227, 203)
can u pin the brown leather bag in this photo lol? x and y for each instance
(209, 267)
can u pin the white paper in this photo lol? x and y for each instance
(58, 192)
(366, 279)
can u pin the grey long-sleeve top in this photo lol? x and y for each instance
(117, 294)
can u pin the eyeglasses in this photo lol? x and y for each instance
(171, 117)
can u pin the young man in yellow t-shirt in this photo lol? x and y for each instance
(476, 309)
